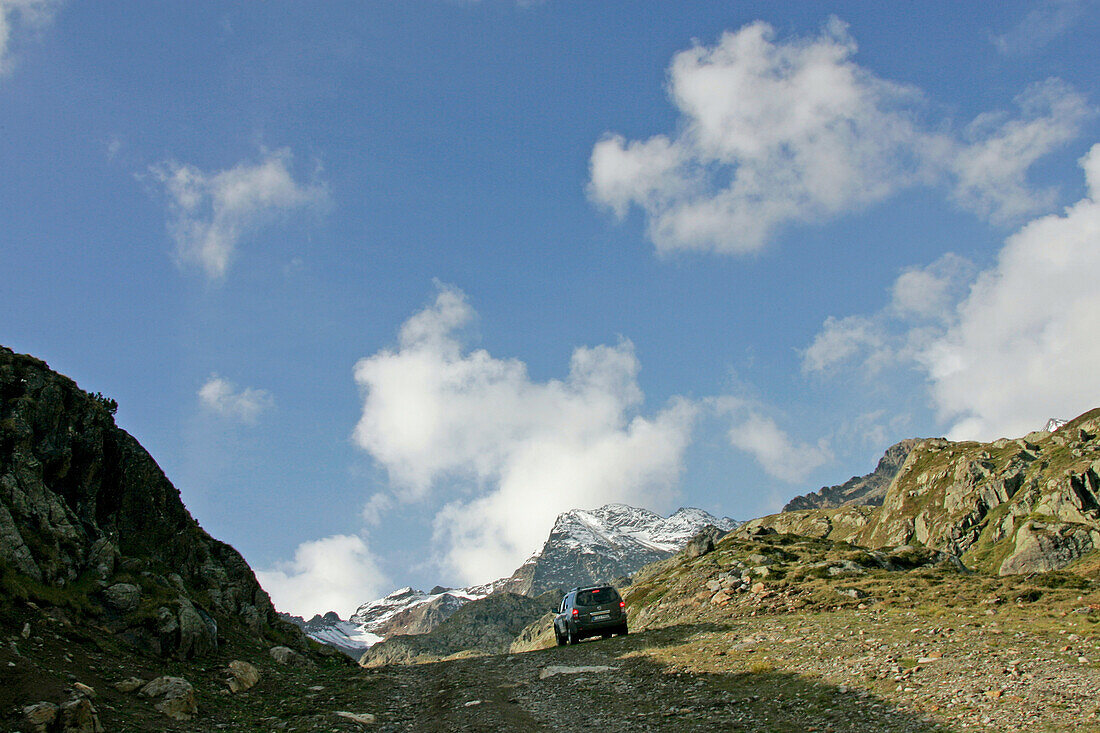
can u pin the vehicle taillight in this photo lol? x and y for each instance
(622, 604)
(575, 612)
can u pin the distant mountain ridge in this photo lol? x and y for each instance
(868, 490)
(584, 547)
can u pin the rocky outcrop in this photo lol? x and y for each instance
(1011, 506)
(88, 520)
(869, 490)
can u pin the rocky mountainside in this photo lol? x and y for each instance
(859, 490)
(104, 573)
(85, 512)
(1010, 506)
(586, 547)
(487, 625)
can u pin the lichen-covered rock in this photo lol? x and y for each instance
(175, 697)
(1042, 546)
(242, 676)
(123, 597)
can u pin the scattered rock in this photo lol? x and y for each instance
(286, 655)
(364, 718)
(177, 697)
(242, 676)
(26, 632)
(77, 715)
(129, 684)
(40, 716)
(84, 689)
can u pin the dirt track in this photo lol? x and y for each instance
(541, 691)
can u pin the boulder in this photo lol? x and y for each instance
(123, 597)
(198, 633)
(242, 676)
(286, 655)
(177, 697)
(77, 715)
(40, 716)
(1043, 546)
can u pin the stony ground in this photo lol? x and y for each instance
(1009, 667)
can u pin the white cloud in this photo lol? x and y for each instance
(246, 405)
(930, 292)
(213, 212)
(335, 573)
(376, 507)
(991, 169)
(1024, 344)
(21, 14)
(1045, 22)
(773, 448)
(779, 133)
(1005, 350)
(839, 340)
(439, 416)
(922, 303)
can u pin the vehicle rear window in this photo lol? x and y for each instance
(597, 596)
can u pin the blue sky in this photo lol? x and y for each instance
(386, 286)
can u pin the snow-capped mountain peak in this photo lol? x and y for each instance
(585, 546)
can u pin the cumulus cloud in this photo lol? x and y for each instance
(212, 212)
(20, 14)
(223, 398)
(779, 133)
(1003, 350)
(759, 435)
(507, 453)
(1023, 346)
(921, 305)
(331, 574)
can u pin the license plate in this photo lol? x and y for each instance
(601, 616)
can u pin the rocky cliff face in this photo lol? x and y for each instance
(88, 521)
(867, 490)
(1011, 506)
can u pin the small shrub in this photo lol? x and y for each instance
(106, 403)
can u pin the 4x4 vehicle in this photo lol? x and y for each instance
(593, 611)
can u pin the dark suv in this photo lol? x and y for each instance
(594, 611)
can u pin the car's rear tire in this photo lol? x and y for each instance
(571, 638)
(623, 631)
(559, 638)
